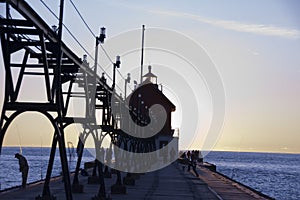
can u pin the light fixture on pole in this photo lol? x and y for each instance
(99, 39)
(116, 65)
(127, 80)
(102, 35)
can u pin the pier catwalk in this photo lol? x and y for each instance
(168, 183)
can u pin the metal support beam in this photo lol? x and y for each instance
(64, 163)
(46, 68)
(21, 74)
(80, 147)
(46, 189)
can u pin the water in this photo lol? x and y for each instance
(37, 160)
(276, 175)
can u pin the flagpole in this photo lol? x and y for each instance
(142, 56)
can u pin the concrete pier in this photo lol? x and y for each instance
(171, 182)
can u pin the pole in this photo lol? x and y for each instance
(125, 89)
(115, 65)
(114, 76)
(59, 101)
(96, 57)
(142, 56)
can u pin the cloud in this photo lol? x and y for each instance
(260, 29)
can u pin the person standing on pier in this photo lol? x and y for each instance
(188, 154)
(193, 163)
(23, 168)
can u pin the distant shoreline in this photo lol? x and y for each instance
(235, 151)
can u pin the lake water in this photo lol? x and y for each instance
(276, 175)
(37, 160)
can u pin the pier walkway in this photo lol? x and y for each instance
(168, 183)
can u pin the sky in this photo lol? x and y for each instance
(253, 45)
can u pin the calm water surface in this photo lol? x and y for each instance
(277, 175)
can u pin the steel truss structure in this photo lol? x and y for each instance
(44, 55)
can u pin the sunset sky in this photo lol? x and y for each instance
(254, 45)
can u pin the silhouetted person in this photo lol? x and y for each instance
(194, 164)
(23, 168)
(188, 154)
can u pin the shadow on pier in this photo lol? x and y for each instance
(170, 182)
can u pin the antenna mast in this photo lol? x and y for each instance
(142, 56)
